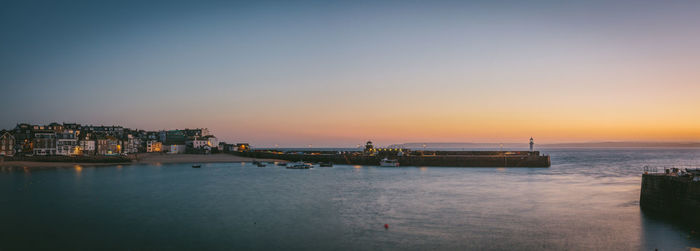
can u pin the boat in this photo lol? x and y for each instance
(197, 166)
(260, 164)
(389, 162)
(282, 164)
(299, 165)
(325, 164)
(255, 162)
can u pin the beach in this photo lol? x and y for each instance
(143, 158)
(153, 158)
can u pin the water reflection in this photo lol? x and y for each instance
(588, 200)
(78, 171)
(664, 232)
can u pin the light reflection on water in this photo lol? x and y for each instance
(588, 199)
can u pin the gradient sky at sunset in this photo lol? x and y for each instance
(338, 73)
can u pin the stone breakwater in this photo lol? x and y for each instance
(675, 196)
(439, 158)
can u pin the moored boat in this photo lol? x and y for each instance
(325, 164)
(299, 165)
(197, 166)
(389, 162)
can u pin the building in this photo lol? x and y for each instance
(76, 139)
(7, 143)
(44, 142)
(369, 148)
(153, 146)
(221, 146)
(212, 141)
(199, 132)
(108, 146)
(151, 136)
(131, 144)
(242, 147)
(175, 149)
(56, 127)
(86, 146)
(197, 143)
(173, 137)
(24, 136)
(101, 146)
(113, 131)
(67, 143)
(229, 147)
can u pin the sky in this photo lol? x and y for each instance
(338, 73)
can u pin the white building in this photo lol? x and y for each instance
(131, 145)
(87, 146)
(67, 147)
(208, 142)
(67, 143)
(212, 141)
(198, 143)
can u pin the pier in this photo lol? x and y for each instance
(674, 192)
(408, 157)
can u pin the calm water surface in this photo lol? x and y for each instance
(587, 200)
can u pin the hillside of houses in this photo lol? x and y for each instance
(72, 139)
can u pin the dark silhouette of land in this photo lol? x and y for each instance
(606, 144)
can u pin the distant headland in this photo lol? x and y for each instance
(603, 144)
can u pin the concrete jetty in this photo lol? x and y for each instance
(674, 193)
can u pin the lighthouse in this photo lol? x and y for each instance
(532, 144)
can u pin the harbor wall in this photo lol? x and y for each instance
(484, 160)
(677, 197)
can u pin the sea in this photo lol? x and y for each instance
(587, 200)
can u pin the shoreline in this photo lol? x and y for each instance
(144, 158)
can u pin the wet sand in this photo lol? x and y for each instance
(150, 158)
(143, 158)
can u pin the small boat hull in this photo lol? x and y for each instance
(389, 163)
(299, 165)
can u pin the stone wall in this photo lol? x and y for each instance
(677, 197)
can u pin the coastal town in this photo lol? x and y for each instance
(72, 139)
(73, 142)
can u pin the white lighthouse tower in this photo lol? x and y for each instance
(532, 144)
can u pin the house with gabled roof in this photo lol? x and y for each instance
(7, 143)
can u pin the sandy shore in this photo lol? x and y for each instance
(143, 158)
(150, 158)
